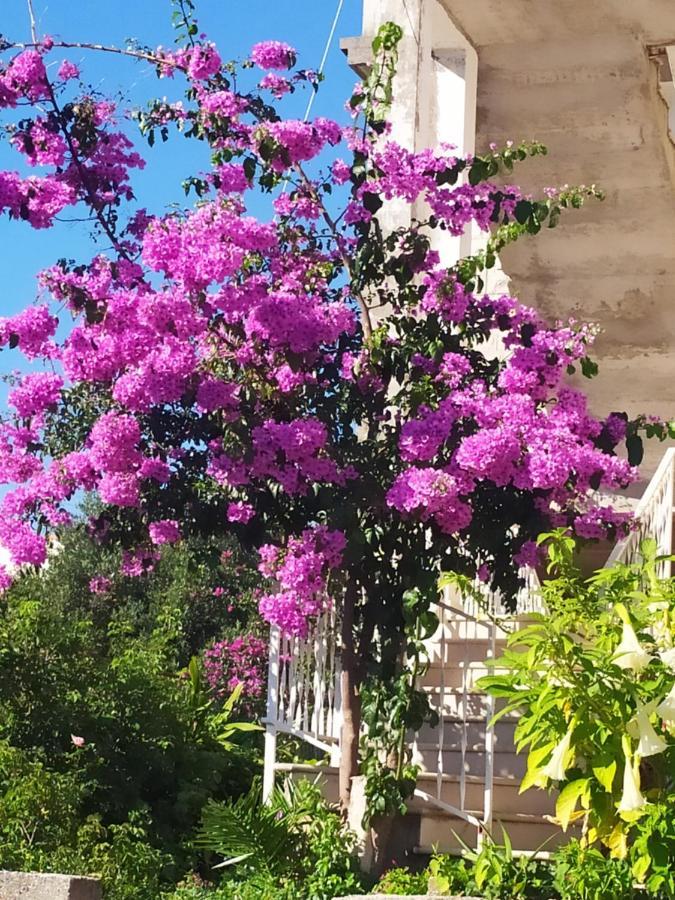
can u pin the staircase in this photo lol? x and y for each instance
(470, 772)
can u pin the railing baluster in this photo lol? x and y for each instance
(488, 781)
(440, 766)
(270, 757)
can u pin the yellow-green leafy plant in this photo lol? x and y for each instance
(594, 683)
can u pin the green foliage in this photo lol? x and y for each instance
(447, 875)
(43, 828)
(109, 747)
(653, 848)
(121, 855)
(393, 707)
(295, 848)
(583, 873)
(592, 682)
(498, 874)
(402, 881)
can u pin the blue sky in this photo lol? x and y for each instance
(233, 24)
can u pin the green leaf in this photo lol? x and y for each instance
(588, 368)
(522, 211)
(568, 799)
(635, 449)
(605, 775)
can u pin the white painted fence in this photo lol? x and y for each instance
(303, 691)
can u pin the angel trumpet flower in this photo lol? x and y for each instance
(559, 762)
(666, 708)
(640, 728)
(630, 654)
(631, 798)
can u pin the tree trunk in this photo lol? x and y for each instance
(351, 700)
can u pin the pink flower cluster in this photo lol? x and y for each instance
(301, 570)
(273, 55)
(36, 393)
(99, 584)
(241, 661)
(165, 531)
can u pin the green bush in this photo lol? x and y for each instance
(402, 881)
(585, 874)
(594, 684)
(498, 874)
(109, 748)
(295, 848)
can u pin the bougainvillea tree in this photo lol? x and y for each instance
(307, 379)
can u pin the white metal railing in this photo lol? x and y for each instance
(654, 514)
(464, 620)
(303, 691)
(303, 697)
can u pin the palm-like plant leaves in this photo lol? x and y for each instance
(266, 836)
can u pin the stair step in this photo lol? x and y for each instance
(472, 762)
(474, 731)
(524, 831)
(455, 702)
(456, 676)
(505, 797)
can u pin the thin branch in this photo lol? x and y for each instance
(101, 48)
(90, 196)
(366, 322)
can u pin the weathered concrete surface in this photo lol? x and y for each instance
(578, 76)
(411, 897)
(588, 80)
(37, 886)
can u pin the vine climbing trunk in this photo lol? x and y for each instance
(351, 700)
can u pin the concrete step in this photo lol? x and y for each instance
(453, 647)
(577, 61)
(578, 248)
(542, 110)
(453, 731)
(505, 797)
(325, 776)
(472, 762)
(453, 702)
(456, 675)
(440, 833)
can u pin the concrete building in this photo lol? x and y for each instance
(592, 82)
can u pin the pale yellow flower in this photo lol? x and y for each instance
(560, 759)
(630, 654)
(631, 798)
(640, 728)
(666, 708)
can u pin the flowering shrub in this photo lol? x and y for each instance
(312, 382)
(246, 307)
(595, 682)
(241, 661)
